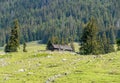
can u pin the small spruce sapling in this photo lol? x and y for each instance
(24, 47)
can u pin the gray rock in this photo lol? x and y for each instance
(21, 70)
(64, 59)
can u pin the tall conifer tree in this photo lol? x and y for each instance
(24, 47)
(89, 43)
(104, 42)
(118, 44)
(107, 46)
(14, 40)
(112, 35)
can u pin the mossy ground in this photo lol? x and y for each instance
(40, 66)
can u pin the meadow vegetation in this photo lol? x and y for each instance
(40, 66)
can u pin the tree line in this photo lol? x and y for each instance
(91, 41)
(44, 19)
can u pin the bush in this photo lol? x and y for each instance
(118, 44)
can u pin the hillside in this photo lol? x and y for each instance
(39, 66)
(42, 19)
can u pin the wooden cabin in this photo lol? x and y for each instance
(54, 47)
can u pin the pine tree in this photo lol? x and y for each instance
(112, 35)
(24, 47)
(118, 44)
(14, 40)
(110, 46)
(100, 45)
(49, 44)
(107, 46)
(104, 42)
(89, 43)
(72, 46)
(54, 40)
(63, 41)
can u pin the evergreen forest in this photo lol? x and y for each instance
(57, 19)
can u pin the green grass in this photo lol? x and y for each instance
(38, 65)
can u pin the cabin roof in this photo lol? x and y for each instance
(63, 47)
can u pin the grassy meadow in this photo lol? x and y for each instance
(40, 66)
